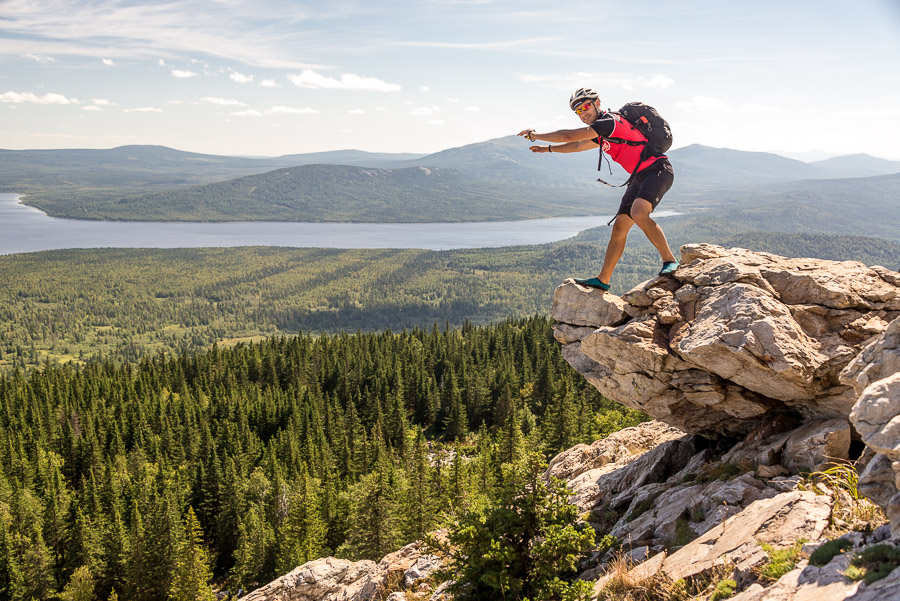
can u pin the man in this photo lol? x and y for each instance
(653, 176)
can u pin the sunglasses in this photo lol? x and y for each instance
(585, 106)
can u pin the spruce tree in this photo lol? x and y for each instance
(374, 529)
(302, 534)
(191, 576)
(80, 586)
(525, 546)
(11, 578)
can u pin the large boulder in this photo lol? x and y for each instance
(332, 579)
(732, 339)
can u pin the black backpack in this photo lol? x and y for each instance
(651, 125)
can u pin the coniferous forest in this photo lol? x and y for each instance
(176, 474)
(165, 432)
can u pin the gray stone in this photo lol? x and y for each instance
(734, 340)
(778, 521)
(582, 306)
(816, 444)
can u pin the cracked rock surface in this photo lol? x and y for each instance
(732, 339)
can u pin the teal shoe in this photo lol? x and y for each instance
(668, 267)
(592, 283)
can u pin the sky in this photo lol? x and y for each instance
(808, 79)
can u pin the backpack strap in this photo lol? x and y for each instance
(644, 153)
(644, 156)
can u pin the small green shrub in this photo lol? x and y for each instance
(874, 563)
(780, 561)
(639, 509)
(683, 533)
(827, 551)
(724, 589)
(697, 514)
(607, 543)
(723, 472)
(603, 518)
(854, 573)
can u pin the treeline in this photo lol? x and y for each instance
(224, 469)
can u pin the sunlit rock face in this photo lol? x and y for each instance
(732, 339)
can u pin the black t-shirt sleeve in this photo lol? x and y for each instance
(604, 126)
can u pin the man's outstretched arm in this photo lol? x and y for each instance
(567, 147)
(560, 136)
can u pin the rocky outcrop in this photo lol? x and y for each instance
(798, 357)
(331, 579)
(730, 341)
(875, 374)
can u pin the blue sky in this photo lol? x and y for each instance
(272, 78)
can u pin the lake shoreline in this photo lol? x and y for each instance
(25, 228)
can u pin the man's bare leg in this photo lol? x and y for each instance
(640, 214)
(615, 246)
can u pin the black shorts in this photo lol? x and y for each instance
(650, 184)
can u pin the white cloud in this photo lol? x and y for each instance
(424, 89)
(108, 62)
(183, 74)
(454, 100)
(91, 108)
(40, 58)
(703, 103)
(357, 112)
(269, 83)
(380, 108)
(424, 111)
(19, 98)
(222, 101)
(763, 108)
(240, 77)
(599, 81)
(162, 63)
(290, 110)
(103, 102)
(247, 113)
(481, 45)
(144, 109)
(659, 81)
(348, 81)
(472, 109)
(436, 122)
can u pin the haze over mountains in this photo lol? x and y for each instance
(494, 179)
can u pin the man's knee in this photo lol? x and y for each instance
(640, 211)
(622, 224)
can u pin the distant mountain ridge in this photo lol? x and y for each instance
(493, 179)
(344, 193)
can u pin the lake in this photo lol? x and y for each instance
(26, 229)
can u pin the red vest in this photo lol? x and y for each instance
(623, 154)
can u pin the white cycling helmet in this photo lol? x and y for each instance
(580, 95)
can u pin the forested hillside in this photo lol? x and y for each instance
(238, 464)
(80, 305)
(345, 194)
